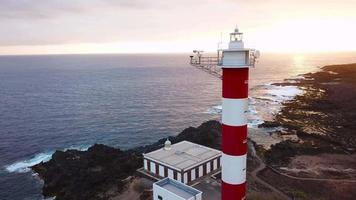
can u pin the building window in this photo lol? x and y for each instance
(160, 198)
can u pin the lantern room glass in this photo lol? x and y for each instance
(236, 37)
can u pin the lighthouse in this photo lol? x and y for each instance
(232, 66)
(235, 64)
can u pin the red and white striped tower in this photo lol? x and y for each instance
(235, 63)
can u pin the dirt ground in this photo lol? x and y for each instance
(134, 189)
(338, 166)
(311, 189)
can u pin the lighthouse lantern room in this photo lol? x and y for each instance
(236, 55)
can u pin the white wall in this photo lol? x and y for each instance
(185, 178)
(166, 195)
(153, 167)
(208, 170)
(192, 174)
(161, 170)
(201, 169)
(234, 58)
(179, 177)
(170, 174)
(198, 197)
(145, 164)
(215, 164)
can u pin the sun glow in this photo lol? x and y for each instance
(306, 36)
(289, 37)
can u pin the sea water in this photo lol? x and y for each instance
(60, 102)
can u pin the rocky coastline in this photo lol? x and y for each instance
(101, 172)
(321, 162)
(322, 117)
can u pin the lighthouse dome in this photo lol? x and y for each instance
(167, 145)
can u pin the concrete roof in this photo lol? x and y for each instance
(183, 155)
(180, 189)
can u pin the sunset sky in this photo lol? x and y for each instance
(142, 26)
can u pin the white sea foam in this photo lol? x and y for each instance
(214, 110)
(24, 165)
(50, 198)
(282, 93)
(252, 123)
(265, 103)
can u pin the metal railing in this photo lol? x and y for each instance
(212, 64)
(208, 64)
(204, 60)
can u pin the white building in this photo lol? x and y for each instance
(184, 161)
(169, 189)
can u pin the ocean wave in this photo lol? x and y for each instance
(50, 198)
(214, 110)
(24, 165)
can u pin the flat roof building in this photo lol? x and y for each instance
(184, 161)
(169, 189)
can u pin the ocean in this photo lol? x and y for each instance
(58, 102)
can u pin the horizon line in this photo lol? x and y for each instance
(170, 53)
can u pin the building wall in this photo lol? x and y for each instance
(188, 176)
(169, 195)
(197, 197)
(161, 171)
(232, 58)
(201, 170)
(171, 174)
(166, 195)
(179, 177)
(153, 167)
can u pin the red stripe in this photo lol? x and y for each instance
(233, 138)
(235, 83)
(233, 192)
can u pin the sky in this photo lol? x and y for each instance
(168, 26)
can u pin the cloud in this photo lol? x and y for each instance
(57, 22)
(45, 22)
(42, 9)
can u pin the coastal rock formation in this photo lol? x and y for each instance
(101, 172)
(322, 118)
(87, 175)
(321, 163)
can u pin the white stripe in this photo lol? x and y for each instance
(161, 170)
(179, 178)
(208, 170)
(192, 174)
(234, 111)
(201, 169)
(153, 167)
(233, 169)
(170, 174)
(145, 164)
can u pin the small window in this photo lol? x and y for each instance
(160, 198)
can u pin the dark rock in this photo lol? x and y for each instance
(280, 153)
(269, 124)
